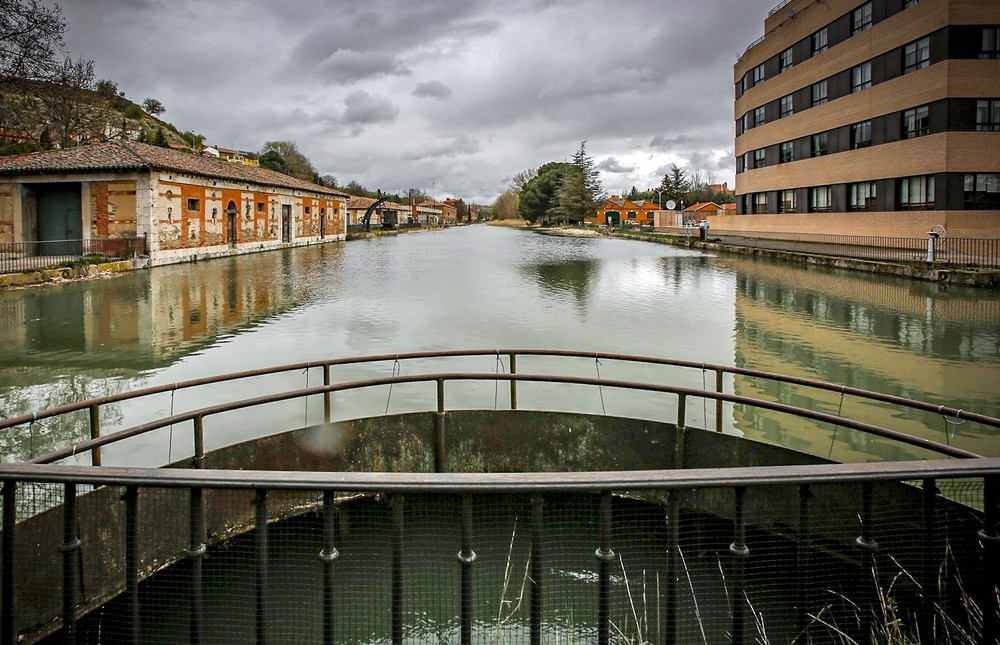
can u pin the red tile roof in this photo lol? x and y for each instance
(121, 156)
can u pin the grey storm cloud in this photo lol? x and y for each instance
(396, 92)
(612, 165)
(432, 89)
(364, 108)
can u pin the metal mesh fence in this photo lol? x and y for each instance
(812, 563)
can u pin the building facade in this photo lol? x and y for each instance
(186, 206)
(877, 117)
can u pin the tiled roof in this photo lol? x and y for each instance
(702, 206)
(121, 156)
(364, 202)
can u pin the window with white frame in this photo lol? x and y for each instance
(916, 193)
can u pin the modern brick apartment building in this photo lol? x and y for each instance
(871, 117)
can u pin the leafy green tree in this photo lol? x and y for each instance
(580, 191)
(133, 112)
(296, 163)
(538, 197)
(153, 107)
(271, 160)
(106, 88)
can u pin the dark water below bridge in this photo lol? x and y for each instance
(485, 287)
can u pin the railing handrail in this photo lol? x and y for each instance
(394, 482)
(229, 406)
(221, 378)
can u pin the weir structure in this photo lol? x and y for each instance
(520, 522)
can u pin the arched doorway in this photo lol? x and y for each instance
(231, 214)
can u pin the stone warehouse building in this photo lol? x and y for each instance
(877, 117)
(188, 207)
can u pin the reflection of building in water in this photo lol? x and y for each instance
(150, 319)
(888, 336)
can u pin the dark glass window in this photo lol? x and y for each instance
(787, 152)
(819, 93)
(861, 135)
(194, 204)
(819, 41)
(787, 106)
(819, 144)
(982, 191)
(988, 115)
(861, 77)
(758, 116)
(759, 160)
(785, 60)
(916, 122)
(787, 202)
(758, 75)
(862, 197)
(910, 3)
(819, 199)
(917, 55)
(991, 43)
(916, 193)
(861, 18)
(759, 203)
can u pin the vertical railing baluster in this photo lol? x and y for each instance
(131, 499)
(681, 410)
(326, 395)
(195, 554)
(397, 569)
(260, 501)
(718, 402)
(929, 563)
(989, 535)
(198, 461)
(466, 557)
(803, 575)
(70, 549)
(440, 445)
(327, 556)
(868, 546)
(513, 382)
(8, 635)
(95, 433)
(537, 525)
(673, 567)
(605, 556)
(739, 551)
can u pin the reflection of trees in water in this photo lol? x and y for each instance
(39, 437)
(559, 279)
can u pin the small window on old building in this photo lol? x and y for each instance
(260, 207)
(308, 210)
(194, 204)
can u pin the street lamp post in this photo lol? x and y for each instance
(659, 198)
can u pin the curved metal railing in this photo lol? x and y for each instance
(514, 377)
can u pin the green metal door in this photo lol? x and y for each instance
(60, 218)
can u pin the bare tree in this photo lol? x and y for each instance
(31, 36)
(68, 105)
(518, 181)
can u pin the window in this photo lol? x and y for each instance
(260, 207)
(194, 204)
(819, 144)
(787, 201)
(861, 196)
(787, 152)
(991, 43)
(916, 122)
(861, 18)
(861, 135)
(758, 75)
(988, 115)
(916, 193)
(819, 199)
(917, 55)
(785, 61)
(861, 77)
(982, 191)
(759, 159)
(819, 41)
(910, 3)
(741, 164)
(758, 116)
(759, 203)
(787, 106)
(819, 93)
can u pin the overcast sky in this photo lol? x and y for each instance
(450, 96)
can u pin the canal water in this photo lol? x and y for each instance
(486, 287)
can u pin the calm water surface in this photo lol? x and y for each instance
(484, 287)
